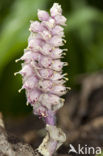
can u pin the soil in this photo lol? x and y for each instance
(81, 119)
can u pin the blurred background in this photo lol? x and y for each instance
(84, 35)
(82, 115)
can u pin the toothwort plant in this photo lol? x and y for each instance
(42, 73)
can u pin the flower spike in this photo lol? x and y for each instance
(42, 73)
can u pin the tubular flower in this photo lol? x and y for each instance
(42, 72)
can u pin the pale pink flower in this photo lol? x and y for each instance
(56, 10)
(60, 20)
(43, 15)
(36, 27)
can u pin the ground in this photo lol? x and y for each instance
(81, 118)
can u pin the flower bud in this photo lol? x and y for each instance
(60, 20)
(36, 27)
(43, 15)
(55, 10)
